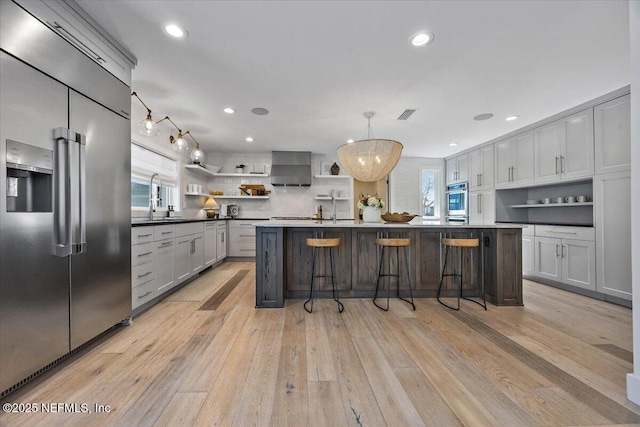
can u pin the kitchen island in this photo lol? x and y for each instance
(283, 261)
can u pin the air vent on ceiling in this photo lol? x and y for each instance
(406, 114)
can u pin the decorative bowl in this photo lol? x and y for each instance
(213, 168)
(391, 217)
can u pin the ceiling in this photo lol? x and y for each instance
(318, 65)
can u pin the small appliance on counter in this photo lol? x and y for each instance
(229, 210)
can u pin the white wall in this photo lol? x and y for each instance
(404, 184)
(633, 380)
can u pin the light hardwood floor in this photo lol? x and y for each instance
(200, 358)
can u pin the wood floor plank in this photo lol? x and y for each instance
(395, 404)
(217, 298)
(325, 405)
(320, 358)
(291, 400)
(621, 353)
(181, 410)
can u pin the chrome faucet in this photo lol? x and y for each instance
(151, 207)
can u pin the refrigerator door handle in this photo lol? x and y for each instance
(61, 220)
(70, 204)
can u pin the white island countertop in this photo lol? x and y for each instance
(350, 223)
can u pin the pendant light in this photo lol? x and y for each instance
(179, 144)
(147, 127)
(370, 159)
(197, 156)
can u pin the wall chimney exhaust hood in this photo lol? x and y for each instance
(291, 168)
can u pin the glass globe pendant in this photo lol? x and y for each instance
(197, 156)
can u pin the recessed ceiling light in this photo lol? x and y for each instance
(175, 31)
(229, 110)
(510, 118)
(349, 141)
(249, 139)
(453, 144)
(421, 39)
(485, 116)
(259, 111)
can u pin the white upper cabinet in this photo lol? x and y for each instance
(564, 149)
(514, 161)
(613, 135)
(482, 207)
(481, 169)
(458, 169)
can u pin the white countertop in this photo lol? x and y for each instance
(350, 223)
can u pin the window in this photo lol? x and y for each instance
(144, 164)
(429, 184)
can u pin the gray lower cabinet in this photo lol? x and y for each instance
(566, 255)
(612, 199)
(242, 238)
(163, 266)
(210, 243)
(528, 259)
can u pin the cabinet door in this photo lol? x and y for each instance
(196, 259)
(163, 266)
(452, 170)
(546, 149)
(504, 160)
(475, 209)
(475, 170)
(527, 255)
(579, 263)
(210, 243)
(576, 154)
(488, 207)
(182, 251)
(613, 136)
(222, 244)
(522, 172)
(612, 200)
(548, 260)
(486, 172)
(463, 168)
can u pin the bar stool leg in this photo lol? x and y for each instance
(408, 265)
(378, 282)
(313, 279)
(442, 276)
(482, 304)
(336, 297)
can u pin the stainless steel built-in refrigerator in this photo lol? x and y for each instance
(64, 197)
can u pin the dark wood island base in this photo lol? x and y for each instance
(283, 260)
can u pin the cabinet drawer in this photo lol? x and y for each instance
(221, 225)
(162, 232)
(141, 254)
(142, 294)
(189, 228)
(528, 230)
(141, 235)
(211, 225)
(141, 274)
(242, 234)
(562, 232)
(242, 249)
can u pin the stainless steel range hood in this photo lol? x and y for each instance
(291, 168)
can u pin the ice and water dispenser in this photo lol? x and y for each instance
(29, 178)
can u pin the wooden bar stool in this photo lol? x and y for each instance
(460, 244)
(384, 242)
(322, 243)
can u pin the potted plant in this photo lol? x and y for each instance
(240, 168)
(371, 206)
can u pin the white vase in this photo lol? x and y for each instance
(371, 214)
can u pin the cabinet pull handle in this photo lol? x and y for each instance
(167, 243)
(562, 164)
(144, 295)
(145, 274)
(562, 232)
(479, 203)
(563, 248)
(145, 235)
(556, 165)
(145, 254)
(246, 235)
(167, 232)
(557, 248)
